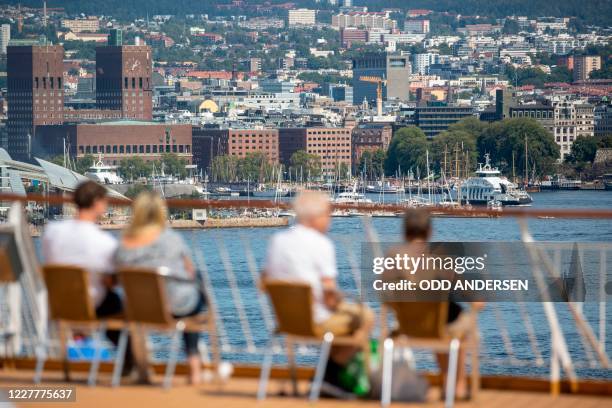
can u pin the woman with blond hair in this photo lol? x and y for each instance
(148, 242)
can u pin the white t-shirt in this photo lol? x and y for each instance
(84, 244)
(303, 254)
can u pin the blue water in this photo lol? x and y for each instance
(348, 234)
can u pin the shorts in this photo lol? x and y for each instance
(346, 319)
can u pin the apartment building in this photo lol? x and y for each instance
(584, 65)
(301, 17)
(77, 25)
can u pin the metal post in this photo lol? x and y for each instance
(387, 373)
(120, 357)
(174, 350)
(451, 376)
(315, 389)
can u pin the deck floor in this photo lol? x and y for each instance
(239, 393)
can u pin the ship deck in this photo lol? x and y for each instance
(240, 392)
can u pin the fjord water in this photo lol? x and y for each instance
(499, 321)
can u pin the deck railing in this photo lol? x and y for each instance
(535, 339)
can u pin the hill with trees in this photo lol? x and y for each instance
(589, 12)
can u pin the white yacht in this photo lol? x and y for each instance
(488, 185)
(351, 197)
(103, 174)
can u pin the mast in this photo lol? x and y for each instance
(428, 179)
(513, 170)
(445, 152)
(526, 178)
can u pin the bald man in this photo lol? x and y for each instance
(304, 253)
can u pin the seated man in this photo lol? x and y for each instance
(460, 323)
(80, 242)
(305, 254)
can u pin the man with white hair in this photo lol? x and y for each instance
(304, 253)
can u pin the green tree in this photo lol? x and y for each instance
(372, 163)
(407, 151)
(84, 163)
(457, 144)
(254, 167)
(174, 165)
(305, 165)
(224, 168)
(506, 139)
(134, 167)
(583, 150)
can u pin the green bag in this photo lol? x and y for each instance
(354, 377)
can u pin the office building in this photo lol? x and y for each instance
(5, 37)
(255, 65)
(416, 26)
(332, 145)
(115, 38)
(35, 94)
(341, 93)
(242, 142)
(421, 62)
(208, 143)
(301, 17)
(351, 35)
(212, 142)
(123, 80)
(584, 65)
(565, 120)
(436, 117)
(90, 24)
(603, 120)
(369, 137)
(396, 69)
(368, 20)
(115, 140)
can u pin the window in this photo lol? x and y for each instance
(121, 149)
(140, 82)
(133, 84)
(125, 82)
(108, 148)
(148, 148)
(141, 149)
(115, 149)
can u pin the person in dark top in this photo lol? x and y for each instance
(417, 233)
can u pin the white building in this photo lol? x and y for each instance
(5, 37)
(90, 24)
(301, 17)
(360, 19)
(421, 62)
(571, 120)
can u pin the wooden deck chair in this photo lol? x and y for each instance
(423, 325)
(71, 306)
(146, 307)
(293, 303)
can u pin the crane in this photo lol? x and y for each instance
(379, 82)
